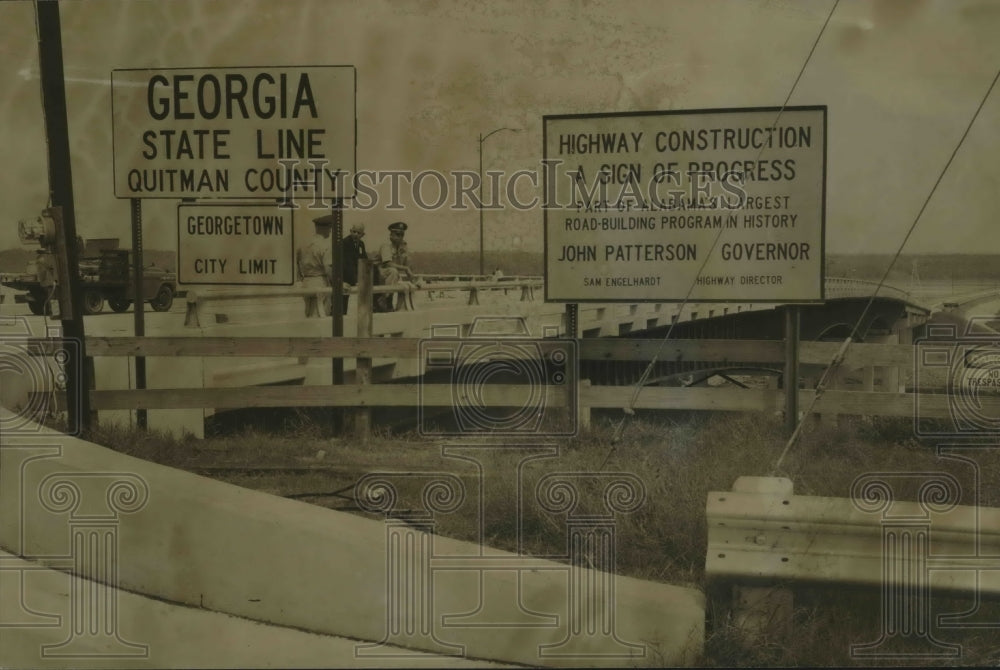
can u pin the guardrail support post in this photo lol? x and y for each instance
(762, 613)
(404, 300)
(473, 296)
(191, 319)
(868, 378)
(363, 366)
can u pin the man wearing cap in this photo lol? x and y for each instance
(354, 250)
(393, 263)
(314, 265)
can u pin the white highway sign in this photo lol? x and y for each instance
(240, 132)
(646, 206)
(235, 244)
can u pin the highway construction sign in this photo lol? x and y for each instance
(724, 205)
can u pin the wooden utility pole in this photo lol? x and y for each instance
(50, 62)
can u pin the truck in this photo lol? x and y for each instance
(105, 274)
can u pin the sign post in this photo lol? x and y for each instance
(337, 299)
(231, 133)
(363, 367)
(337, 284)
(139, 303)
(791, 367)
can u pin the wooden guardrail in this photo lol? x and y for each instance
(894, 363)
(888, 402)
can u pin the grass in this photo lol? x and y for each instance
(678, 458)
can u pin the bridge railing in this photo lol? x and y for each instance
(200, 302)
(846, 287)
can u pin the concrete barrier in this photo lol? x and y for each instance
(35, 630)
(186, 539)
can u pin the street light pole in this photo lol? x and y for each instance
(482, 138)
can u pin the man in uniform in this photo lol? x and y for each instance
(354, 250)
(314, 265)
(393, 264)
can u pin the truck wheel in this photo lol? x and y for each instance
(119, 305)
(93, 302)
(163, 300)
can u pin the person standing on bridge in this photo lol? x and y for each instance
(393, 263)
(354, 250)
(314, 265)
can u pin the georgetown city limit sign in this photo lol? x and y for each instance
(728, 204)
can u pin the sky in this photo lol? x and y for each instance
(901, 81)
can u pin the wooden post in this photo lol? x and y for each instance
(363, 370)
(584, 408)
(904, 335)
(337, 299)
(191, 316)
(50, 65)
(868, 378)
(573, 365)
(572, 320)
(791, 368)
(835, 381)
(139, 303)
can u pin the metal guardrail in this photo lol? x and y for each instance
(761, 533)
